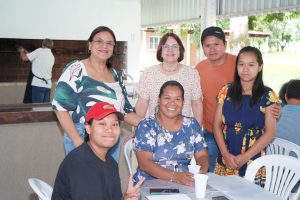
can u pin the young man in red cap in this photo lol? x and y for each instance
(88, 172)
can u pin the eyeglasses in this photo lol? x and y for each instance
(104, 43)
(173, 46)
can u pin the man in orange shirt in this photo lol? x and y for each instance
(215, 71)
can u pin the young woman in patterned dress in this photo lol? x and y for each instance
(243, 123)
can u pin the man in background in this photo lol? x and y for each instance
(42, 61)
(288, 126)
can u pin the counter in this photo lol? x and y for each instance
(26, 113)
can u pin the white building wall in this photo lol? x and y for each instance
(73, 20)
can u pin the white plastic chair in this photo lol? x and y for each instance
(283, 147)
(128, 152)
(42, 189)
(282, 174)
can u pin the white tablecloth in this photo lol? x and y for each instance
(233, 187)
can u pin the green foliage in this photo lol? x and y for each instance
(224, 23)
(194, 28)
(163, 29)
(258, 41)
(275, 17)
(256, 22)
(279, 25)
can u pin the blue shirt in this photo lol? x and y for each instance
(171, 150)
(288, 125)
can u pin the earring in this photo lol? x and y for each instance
(156, 109)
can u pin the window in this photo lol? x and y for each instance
(154, 40)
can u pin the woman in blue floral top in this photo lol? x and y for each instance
(166, 142)
(85, 82)
(244, 124)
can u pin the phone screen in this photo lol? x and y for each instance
(163, 190)
(220, 198)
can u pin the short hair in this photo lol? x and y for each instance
(171, 83)
(282, 91)
(293, 90)
(99, 29)
(163, 41)
(47, 43)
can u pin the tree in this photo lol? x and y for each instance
(193, 28)
(279, 24)
(224, 23)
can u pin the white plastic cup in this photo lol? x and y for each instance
(194, 169)
(200, 185)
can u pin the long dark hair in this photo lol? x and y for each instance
(163, 41)
(99, 29)
(258, 87)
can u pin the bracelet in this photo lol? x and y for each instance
(172, 176)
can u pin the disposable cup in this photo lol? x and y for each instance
(200, 185)
(194, 169)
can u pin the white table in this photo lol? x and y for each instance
(233, 187)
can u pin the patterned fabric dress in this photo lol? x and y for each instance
(153, 78)
(242, 128)
(171, 150)
(77, 92)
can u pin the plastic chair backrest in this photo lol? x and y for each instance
(282, 174)
(283, 147)
(128, 148)
(42, 189)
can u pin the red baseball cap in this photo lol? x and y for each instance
(100, 110)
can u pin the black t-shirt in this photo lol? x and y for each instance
(83, 176)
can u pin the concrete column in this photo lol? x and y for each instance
(238, 34)
(266, 45)
(143, 49)
(144, 42)
(208, 17)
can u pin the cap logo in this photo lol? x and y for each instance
(107, 107)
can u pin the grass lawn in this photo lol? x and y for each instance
(280, 67)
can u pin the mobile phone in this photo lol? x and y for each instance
(163, 190)
(219, 198)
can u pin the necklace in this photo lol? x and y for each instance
(169, 69)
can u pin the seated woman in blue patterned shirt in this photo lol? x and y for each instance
(166, 142)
